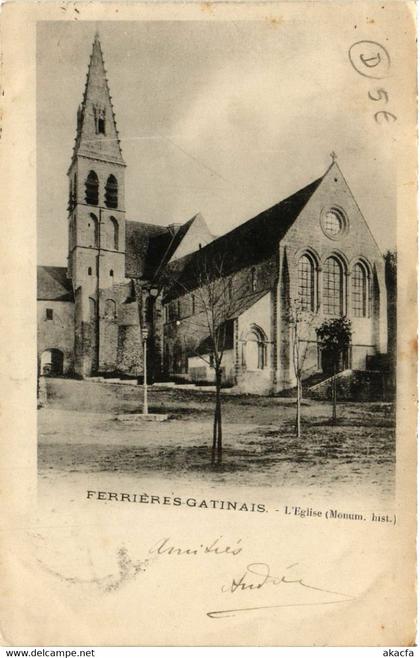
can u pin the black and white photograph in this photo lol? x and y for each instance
(217, 258)
(210, 391)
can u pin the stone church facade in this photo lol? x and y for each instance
(122, 277)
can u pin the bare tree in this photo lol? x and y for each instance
(218, 299)
(301, 323)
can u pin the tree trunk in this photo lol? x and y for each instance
(213, 448)
(298, 407)
(334, 395)
(219, 415)
(219, 436)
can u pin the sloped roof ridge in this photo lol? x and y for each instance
(247, 302)
(251, 242)
(177, 238)
(135, 222)
(53, 283)
(52, 267)
(307, 188)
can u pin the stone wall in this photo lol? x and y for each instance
(58, 332)
(86, 322)
(184, 330)
(129, 354)
(259, 318)
(120, 344)
(354, 243)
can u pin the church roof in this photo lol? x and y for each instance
(249, 243)
(245, 303)
(145, 245)
(256, 239)
(149, 247)
(53, 284)
(177, 237)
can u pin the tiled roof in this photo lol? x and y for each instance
(141, 253)
(245, 303)
(250, 243)
(177, 238)
(53, 284)
(149, 247)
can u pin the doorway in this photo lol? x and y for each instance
(52, 363)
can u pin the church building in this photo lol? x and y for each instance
(128, 284)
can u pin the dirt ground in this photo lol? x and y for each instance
(80, 434)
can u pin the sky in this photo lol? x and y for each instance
(225, 118)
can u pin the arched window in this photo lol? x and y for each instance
(99, 114)
(92, 308)
(253, 279)
(360, 291)
(110, 309)
(306, 283)
(115, 233)
(333, 287)
(90, 271)
(111, 192)
(93, 231)
(111, 272)
(92, 189)
(255, 350)
(101, 122)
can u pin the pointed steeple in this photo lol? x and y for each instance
(97, 134)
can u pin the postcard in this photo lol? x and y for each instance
(209, 323)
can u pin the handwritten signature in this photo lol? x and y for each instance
(129, 568)
(257, 576)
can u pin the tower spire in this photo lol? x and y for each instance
(96, 219)
(97, 134)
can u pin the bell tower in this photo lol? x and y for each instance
(96, 210)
